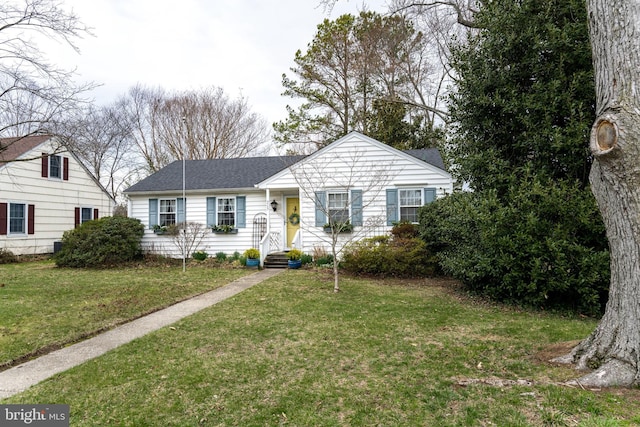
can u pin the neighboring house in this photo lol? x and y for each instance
(44, 191)
(277, 203)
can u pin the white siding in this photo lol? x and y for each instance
(55, 200)
(356, 162)
(196, 211)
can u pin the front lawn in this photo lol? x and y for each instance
(291, 352)
(43, 307)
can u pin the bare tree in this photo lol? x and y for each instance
(356, 183)
(204, 124)
(35, 95)
(187, 236)
(444, 23)
(102, 139)
(141, 106)
(215, 126)
(463, 11)
(614, 346)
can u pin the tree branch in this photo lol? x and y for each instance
(461, 18)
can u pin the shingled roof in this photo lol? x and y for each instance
(210, 174)
(12, 148)
(237, 173)
(428, 155)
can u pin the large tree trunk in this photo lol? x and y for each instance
(613, 349)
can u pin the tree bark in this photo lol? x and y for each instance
(613, 349)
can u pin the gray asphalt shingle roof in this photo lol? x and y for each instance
(214, 174)
(429, 155)
(235, 173)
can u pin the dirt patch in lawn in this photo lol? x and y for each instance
(546, 354)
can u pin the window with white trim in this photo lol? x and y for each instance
(226, 211)
(17, 218)
(167, 212)
(86, 215)
(338, 207)
(55, 166)
(410, 202)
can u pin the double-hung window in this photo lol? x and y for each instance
(226, 211)
(55, 167)
(167, 214)
(338, 207)
(17, 218)
(410, 202)
(86, 215)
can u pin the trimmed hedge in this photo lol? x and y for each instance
(103, 242)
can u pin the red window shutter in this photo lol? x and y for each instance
(95, 214)
(32, 219)
(45, 165)
(77, 219)
(3, 218)
(65, 169)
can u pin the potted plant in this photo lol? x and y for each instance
(294, 257)
(253, 257)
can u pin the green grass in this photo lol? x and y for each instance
(44, 307)
(291, 352)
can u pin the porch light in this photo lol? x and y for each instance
(274, 205)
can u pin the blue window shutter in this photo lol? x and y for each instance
(153, 212)
(211, 212)
(181, 210)
(241, 211)
(392, 206)
(321, 208)
(356, 208)
(429, 195)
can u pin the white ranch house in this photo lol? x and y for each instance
(44, 191)
(278, 203)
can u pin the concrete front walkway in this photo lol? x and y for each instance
(21, 377)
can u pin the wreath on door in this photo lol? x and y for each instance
(294, 218)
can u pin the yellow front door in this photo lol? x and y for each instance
(293, 218)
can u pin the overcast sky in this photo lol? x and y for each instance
(243, 46)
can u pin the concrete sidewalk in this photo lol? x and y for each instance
(21, 377)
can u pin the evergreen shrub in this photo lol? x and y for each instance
(398, 255)
(200, 255)
(103, 242)
(544, 245)
(324, 260)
